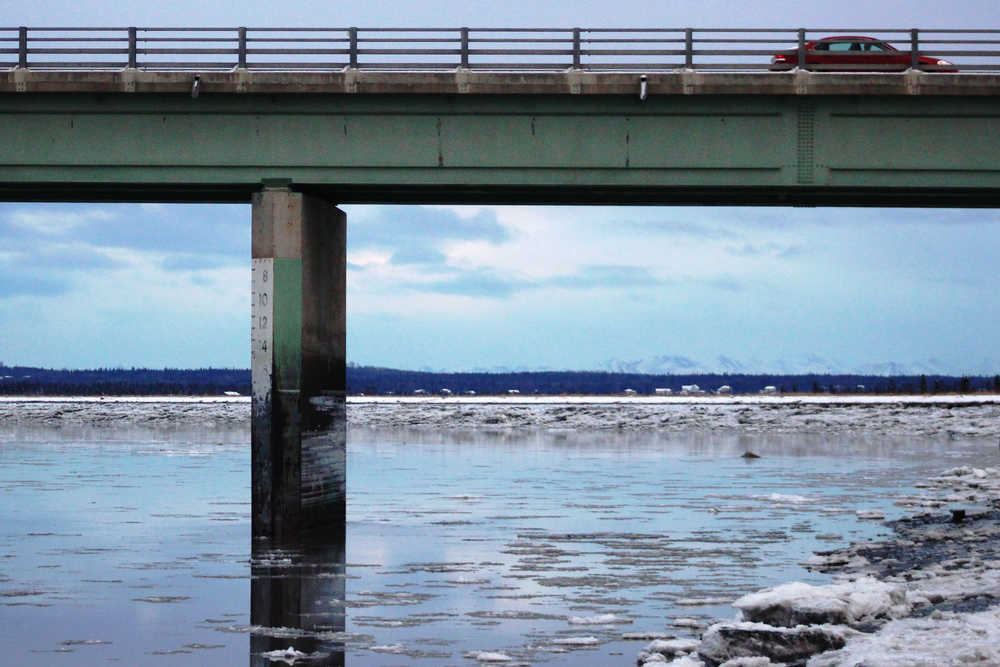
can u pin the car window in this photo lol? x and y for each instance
(822, 46)
(877, 47)
(842, 46)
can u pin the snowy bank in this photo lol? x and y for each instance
(929, 595)
(970, 416)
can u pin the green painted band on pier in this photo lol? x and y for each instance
(287, 324)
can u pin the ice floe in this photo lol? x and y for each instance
(599, 619)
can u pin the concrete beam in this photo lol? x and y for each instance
(298, 341)
(471, 82)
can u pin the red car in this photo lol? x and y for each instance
(852, 53)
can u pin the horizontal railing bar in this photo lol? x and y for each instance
(179, 52)
(161, 40)
(521, 52)
(97, 64)
(77, 39)
(183, 29)
(307, 40)
(636, 52)
(46, 29)
(80, 51)
(303, 52)
(976, 31)
(415, 40)
(502, 40)
(412, 52)
(674, 40)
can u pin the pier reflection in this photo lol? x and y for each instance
(297, 602)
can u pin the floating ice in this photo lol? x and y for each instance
(287, 656)
(600, 619)
(702, 602)
(577, 641)
(788, 498)
(666, 648)
(389, 648)
(491, 656)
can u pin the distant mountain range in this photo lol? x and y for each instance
(808, 364)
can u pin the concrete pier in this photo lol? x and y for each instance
(298, 340)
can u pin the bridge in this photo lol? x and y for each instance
(297, 122)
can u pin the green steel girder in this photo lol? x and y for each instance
(706, 149)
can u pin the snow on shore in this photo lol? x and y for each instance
(928, 596)
(955, 416)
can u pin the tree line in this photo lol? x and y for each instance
(371, 380)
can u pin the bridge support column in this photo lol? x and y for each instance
(298, 342)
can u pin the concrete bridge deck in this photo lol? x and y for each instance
(458, 81)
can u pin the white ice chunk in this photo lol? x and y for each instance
(577, 641)
(287, 656)
(491, 656)
(599, 619)
(851, 603)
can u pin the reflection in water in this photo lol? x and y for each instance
(297, 602)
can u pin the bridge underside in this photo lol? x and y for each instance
(241, 193)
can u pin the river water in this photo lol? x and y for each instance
(133, 545)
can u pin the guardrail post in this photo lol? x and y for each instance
(914, 49)
(802, 48)
(241, 47)
(576, 48)
(22, 47)
(352, 34)
(689, 48)
(465, 47)
(132, 59)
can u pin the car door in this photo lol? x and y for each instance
(844, 55)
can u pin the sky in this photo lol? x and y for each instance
(465, 287)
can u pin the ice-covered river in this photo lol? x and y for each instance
(131, 544)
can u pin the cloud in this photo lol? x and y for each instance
(779, 250)
(475, 284)
(63, 259)
(418, 255)
(192, 262)
(605, 277)
(419, 234)
(210, 228)
(403, 226)
(488, 283)
(727, 283)
(32, 284)
(677, 228)
(45, 271)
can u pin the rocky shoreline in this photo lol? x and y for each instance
(929, 595)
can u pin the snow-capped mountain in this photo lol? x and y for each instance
(794, 365)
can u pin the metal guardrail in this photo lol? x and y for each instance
(496, 49)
